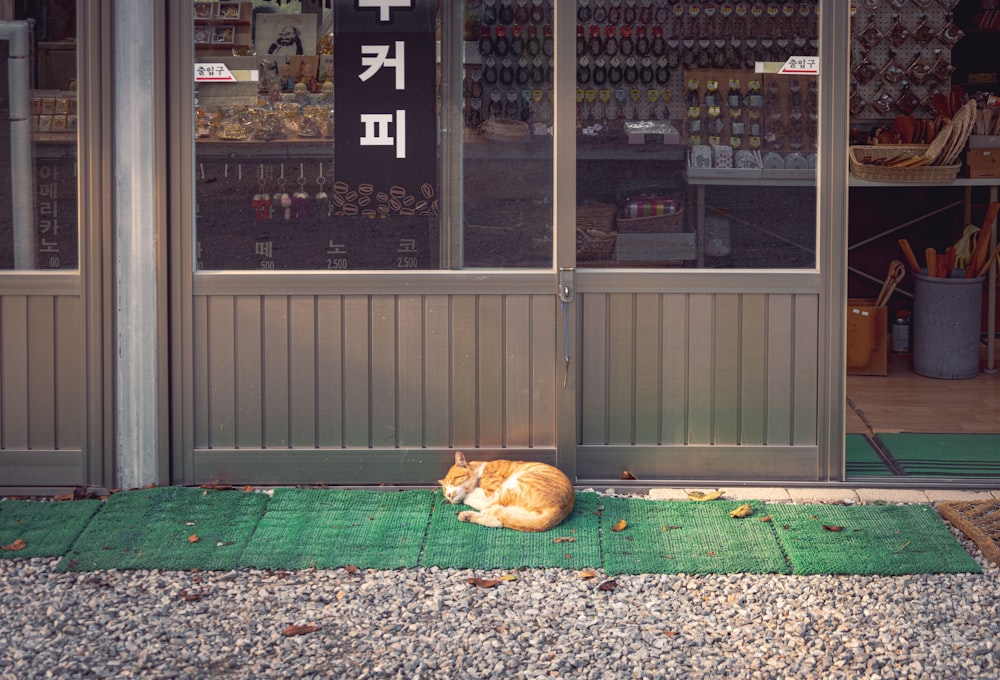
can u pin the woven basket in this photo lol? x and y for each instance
(505, 130)
(881, 173)
(595, 231)
(654, 224)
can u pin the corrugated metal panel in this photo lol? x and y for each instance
(698, 369)
(381, 371)
(43, 403)
(42, 395)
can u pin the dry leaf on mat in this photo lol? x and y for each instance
(744, 510)
(564, 539)
(193, 538)
(619, 525)
(19, 544)
(832, 528)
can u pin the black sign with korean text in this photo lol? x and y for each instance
(385, 124)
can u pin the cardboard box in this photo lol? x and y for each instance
(867, 338)
(984, 141)
(983, 163)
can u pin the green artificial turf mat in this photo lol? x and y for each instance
(674, 537)
(47, 529)
(305, 528)
(463, 545)
(872, 539)
(152, 529)
(862, 459)
(945, 455)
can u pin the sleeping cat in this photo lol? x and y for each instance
(515, 494)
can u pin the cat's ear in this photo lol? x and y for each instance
(460, 459)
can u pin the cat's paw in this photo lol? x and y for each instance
(466, 516)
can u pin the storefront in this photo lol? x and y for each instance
(367, 234)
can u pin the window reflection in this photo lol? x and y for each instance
(38, 123)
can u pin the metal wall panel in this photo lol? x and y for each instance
(377, 372)
(719, 374)
(43, 406)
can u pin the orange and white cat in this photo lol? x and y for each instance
(515, 494)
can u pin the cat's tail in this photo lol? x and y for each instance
(522, 519)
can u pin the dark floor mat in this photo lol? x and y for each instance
(945, 455)
(862, 459)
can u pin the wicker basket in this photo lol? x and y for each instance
(505, 130)
(595, 231)
(654, 224)
(881, 173)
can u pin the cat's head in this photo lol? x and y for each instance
(460, 480)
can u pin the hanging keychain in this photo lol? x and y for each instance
(322, 199)
(261, 202)
(300, 198)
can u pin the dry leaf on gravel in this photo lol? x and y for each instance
(190, 597)
(19, 544)
(588, 573)
(484, 582)
(608, 585)
(299, 630)
(351, 569)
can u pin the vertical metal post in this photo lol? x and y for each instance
(22, 190)
(452, 58)
(135, 243)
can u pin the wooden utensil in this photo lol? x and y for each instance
(986, 265)
(896, 273)
(949, 262)
(931, 256)
(982, 241)
(911, 259)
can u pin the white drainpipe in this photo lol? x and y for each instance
(18, 33)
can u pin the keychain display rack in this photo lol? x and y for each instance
(630, 55)
(901, 56)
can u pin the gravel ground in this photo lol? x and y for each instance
(432, 623)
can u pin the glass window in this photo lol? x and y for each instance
(38, 122)
(373, 135)
(697, 134)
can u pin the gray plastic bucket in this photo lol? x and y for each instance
(946, 322)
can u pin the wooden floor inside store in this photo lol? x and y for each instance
(903, 401)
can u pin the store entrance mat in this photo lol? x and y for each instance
(863, 458)
(321, 528)
(574, 544)
(886, 540)
(42, 529)
(168, 528)
(979, 520)
(180, 528)
(944, 455)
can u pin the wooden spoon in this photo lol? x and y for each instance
(982, 242)
(911, 259)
